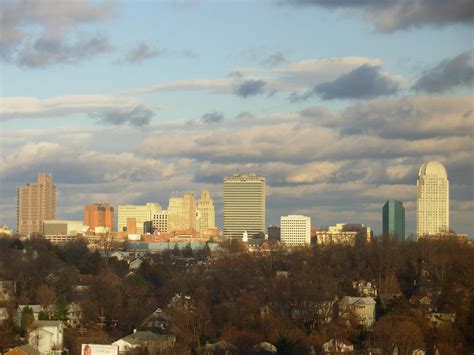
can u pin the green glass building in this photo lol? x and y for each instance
(394, 219)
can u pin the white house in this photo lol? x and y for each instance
(337, 346)
(47, 335)
(360, 310)
(3, 314)
(153, 342)
(135, 264)
(36, 308)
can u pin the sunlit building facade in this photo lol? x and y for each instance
(244, 205)
(393, 221)
(141, 214)
(36, 203)
(295, 230)
(432, 203)
(206, 212)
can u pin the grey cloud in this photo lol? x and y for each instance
(393, 15)
(212, 117)
(409, 118)
(48, 51)
(138, 116)
(364, 82)
(140, 53)
(250, 88)
(452, 73)
(35, 36)
(275, 59)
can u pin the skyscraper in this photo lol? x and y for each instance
(97, 215)
(432, 203)
(394, 219)
(295, 230)
(36, 202)
(182, 213)
(244, 205)
(141, 214)
(206, 213)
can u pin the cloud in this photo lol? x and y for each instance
(212, 117)
(293, 76)
(389, 16)
(76, 164)
(108, 109)
(410, 118)
(365, 82)
(48, 51)
(138, 116)
(250, 88)
(140, 53)
(313, 155)
(275, 59)
(450, 73)
(36, 34)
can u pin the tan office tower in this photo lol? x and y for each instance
(160, 221)
(244, 205)
(182, 213)
(190, 210)
(432, 203)
(142, 214)
(36, 202)
(206, 213)
(99, 215)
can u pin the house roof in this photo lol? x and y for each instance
(220, 345)
(338, 341)
(25, 348)
(35, 307)
(48, 323)
(348, 300)
(142, 335)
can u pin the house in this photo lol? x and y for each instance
(74, 314)
(36, 309)
(47, 335)
(154, 343)
(7, 290)
(220, 348)
(365, 288)
(360, 310)
(337, 346)
(437, 319)
(135, 264)
(158, 322)
(265, 348)
(3, 314)
(418, 352)
(23, 350)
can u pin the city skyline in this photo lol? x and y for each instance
(147, 99)
(245, 192)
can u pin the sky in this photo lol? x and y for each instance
(337, 103)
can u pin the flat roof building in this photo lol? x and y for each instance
(295, 230)
(36, 202)
(244, 205)
(99, 215)
(393, 219)
(141, 214)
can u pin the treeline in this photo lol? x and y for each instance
(281, 297)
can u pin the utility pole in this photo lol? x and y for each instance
(102, 319)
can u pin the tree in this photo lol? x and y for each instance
(400, 331)
(45, 295)
(27, 320)
(62, 309)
